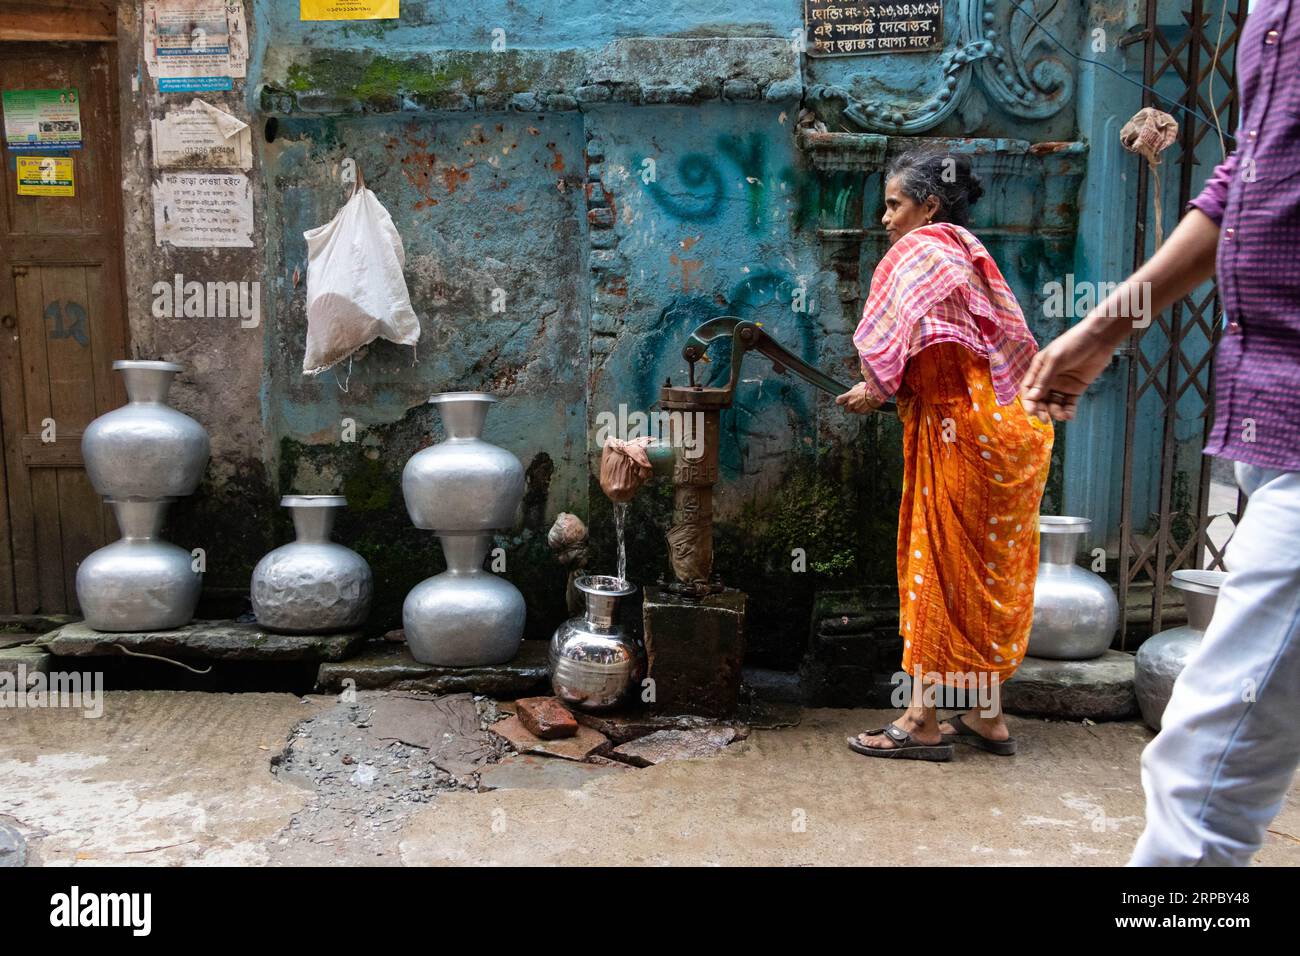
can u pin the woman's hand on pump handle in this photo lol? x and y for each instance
(858, 400)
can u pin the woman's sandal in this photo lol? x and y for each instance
(964, 734)
(905, 748)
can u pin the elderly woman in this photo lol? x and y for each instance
(942, 331)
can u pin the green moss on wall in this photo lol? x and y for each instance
(374, 78)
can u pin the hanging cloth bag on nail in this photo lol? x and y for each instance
(355, 289)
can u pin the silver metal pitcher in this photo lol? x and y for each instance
(140, 582)
(1162, 657)
(593, 663)
(146, 449)
(1076, 612)
(463, 489)
(312, 585)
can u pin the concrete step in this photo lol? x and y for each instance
(385, 664)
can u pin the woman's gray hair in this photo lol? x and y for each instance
(922, 173)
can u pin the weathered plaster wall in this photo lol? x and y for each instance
(523, 170)
(225, 375)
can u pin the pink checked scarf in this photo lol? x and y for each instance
(939, 284)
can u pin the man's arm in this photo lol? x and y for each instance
(1061, 372)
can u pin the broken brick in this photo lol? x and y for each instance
(546, 717)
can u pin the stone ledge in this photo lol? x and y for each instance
(26, 660)
(1099, 689)
(203, 640)
(385, 665)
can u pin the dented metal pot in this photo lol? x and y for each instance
(312, 585)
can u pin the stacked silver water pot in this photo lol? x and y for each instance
(1076, 612)
(593, 663)
(141, 457)
(1162, 657)
(463, 489)
(312, 585)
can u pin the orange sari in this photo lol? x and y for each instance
(974, 473)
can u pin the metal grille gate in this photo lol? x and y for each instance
(1192, 62)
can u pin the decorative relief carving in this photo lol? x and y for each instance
(1012, 58)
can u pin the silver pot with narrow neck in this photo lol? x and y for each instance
(1162, 657)
(464, 483)
(145, 449)
(140, 582)
(593, 663)
(312, 585)
(466, 616)
(1076, 612)
(463, 489)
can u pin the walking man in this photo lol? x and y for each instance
(1219, 770)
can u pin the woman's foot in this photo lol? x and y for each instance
(990, 728)
(922, 731)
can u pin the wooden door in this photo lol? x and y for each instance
(61, 326)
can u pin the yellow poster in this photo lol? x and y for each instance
(44, 176)
(348, 10)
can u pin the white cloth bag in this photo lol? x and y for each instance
(356, 292)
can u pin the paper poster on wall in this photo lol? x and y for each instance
(194, 45)
(200, 136)
(203, 210)
(42, 119)
(348, 10)
(44, 176)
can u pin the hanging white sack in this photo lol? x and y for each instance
(355, 289)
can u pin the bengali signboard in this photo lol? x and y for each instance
(857, 27)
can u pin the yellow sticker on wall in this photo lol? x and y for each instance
(348, 10)
(44, 176)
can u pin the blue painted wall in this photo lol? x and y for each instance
(525, 170)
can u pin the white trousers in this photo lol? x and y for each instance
(1218, 771)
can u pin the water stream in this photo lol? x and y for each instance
(620, 512)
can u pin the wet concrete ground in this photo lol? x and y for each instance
(167, 778)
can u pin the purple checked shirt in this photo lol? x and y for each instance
(1254, 196)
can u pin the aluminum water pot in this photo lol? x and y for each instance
(141, 582)
(146, 448)
(463, 484)
(464, 617)
(1076, 612)
(1162, 657)
(312, 585)
(593, 663)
